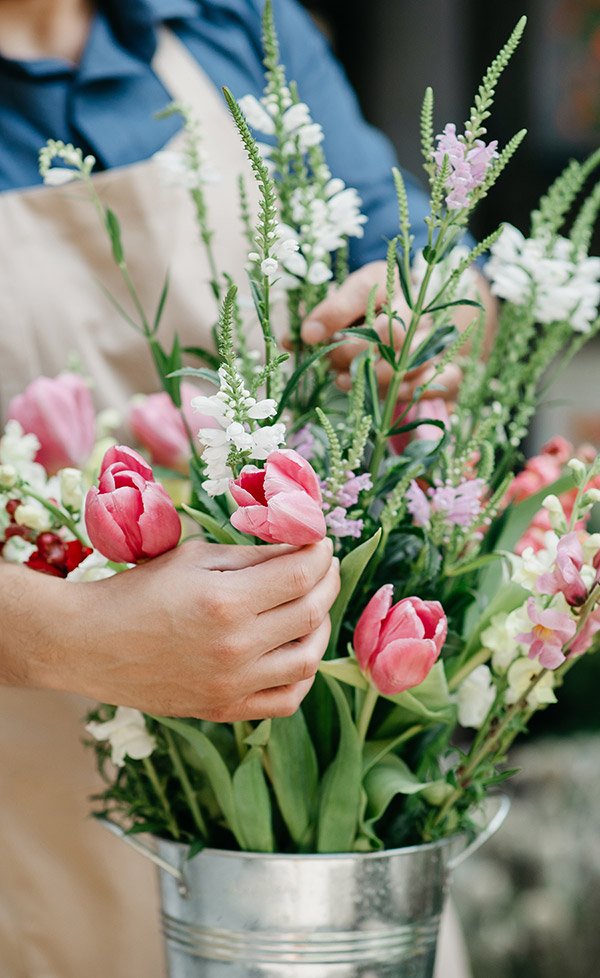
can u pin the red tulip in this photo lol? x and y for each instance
(282, 502)
(60, 413)
(130, 517)
(158, 426)
(398, 645)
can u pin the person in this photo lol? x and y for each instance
(221, 633)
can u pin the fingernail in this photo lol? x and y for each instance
(329, 543)
(344, 382)
(335, 562)
(313, 331)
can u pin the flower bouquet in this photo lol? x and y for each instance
(467, 591)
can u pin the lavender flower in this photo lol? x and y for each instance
(339, 524)
(468, 167)
(460, 505)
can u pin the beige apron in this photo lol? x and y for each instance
(74, 901)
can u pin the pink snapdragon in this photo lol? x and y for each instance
(566, 577)
(398, 645)
(347, 496)
(130, 517)
(583, 640)
(60, 412)
(281, 503)
(550, 633)
(468, 167)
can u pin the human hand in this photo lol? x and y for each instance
(346, 307)
(218, 632)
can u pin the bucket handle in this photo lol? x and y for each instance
(485, 834)
(149, 853)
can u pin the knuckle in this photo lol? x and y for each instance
(314, 613)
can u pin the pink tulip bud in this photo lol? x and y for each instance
(159, 427)
(280, 503)
(60, 413)
(398, 645)
(130, 517)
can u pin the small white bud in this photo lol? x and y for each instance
(578, 469)
(71, 489)
(33, 517)
(8, 476)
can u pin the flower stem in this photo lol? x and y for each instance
(185, 783)
(153, 778)
(371, 697)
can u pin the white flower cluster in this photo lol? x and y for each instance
(324, 211)
(235, 430)
(283, 248)
(127, 735)
(182, 170)
(544, 271)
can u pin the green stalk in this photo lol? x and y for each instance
(371, 697)
(185, 783)
(153, 778)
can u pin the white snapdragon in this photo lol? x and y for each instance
(34, 516)
(520, 676)
(560, 285)
(17, 550)
(126, 734)
(236, 417)
(282, 250)
(500, 637)
(71, 489)
(93, 568)
(475, 696)
(527, 568)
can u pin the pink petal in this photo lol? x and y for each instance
(286, 470)
(402, 665)
(368, 627)
(129, 459)
(159, 524)
(254, 520)
(295, 518)
(104, 532)
(248, 489)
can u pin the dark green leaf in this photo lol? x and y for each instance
(455, 302)
(363, 333)
(299, 372)
(340, 790)
(351, 570)
(201, 373)
(161, 304)
(212, 359)
(253, 804)
(294, 773)
(442, 337)
(114, 230)
(222, 534)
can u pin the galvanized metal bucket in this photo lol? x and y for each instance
(355, 915)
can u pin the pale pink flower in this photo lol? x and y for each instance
(130, 517)
(60, 412)
(550, 633)
(281, 503)
(460, 504)
(582, 642)
(341, 526)
(417, 504)
(566, 577)
(398, 645)
(468, 167)
(158, 426)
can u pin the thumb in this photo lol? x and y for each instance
(226, 557)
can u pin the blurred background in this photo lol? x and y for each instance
(530, 902)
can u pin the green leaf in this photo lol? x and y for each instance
(212, 359)
(253, 804)
(345, 671)
(260, 735)
(428, 703)
(363, 333)
(521, 514)
(222, 534)
(467, 568)
(340, 790)
(403, 282)
(442, 337)
(386, 779)
(294, 774)
(455, 302)
(300, 371)
(400, 428)
(430, 255)
(201, 373)
(161, 304)
(114, 230)
(351, 570)
(214, 767)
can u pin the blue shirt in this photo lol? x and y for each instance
(105, 104)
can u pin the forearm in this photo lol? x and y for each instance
(39, 619)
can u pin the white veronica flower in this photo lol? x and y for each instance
(127, 735)
(256, 115)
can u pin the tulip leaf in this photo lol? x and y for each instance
(299, 372)
(428, 703)
(341, 786)
(386, 779)
(222, 534)
(253, 803)
(213, 766)
(260, 735)
(294, 774)
(345, 671)
(351, 570)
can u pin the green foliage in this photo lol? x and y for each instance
(485, 95)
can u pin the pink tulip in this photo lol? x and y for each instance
(130, 517)
(60, 413)
(280, 503)
(158, 426)
(398, 645)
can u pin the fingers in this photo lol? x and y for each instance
(298, 618)
(289, 577)
(347, 304)
(224, 557)
(450, 380)
(282, 701)
(294, 662)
